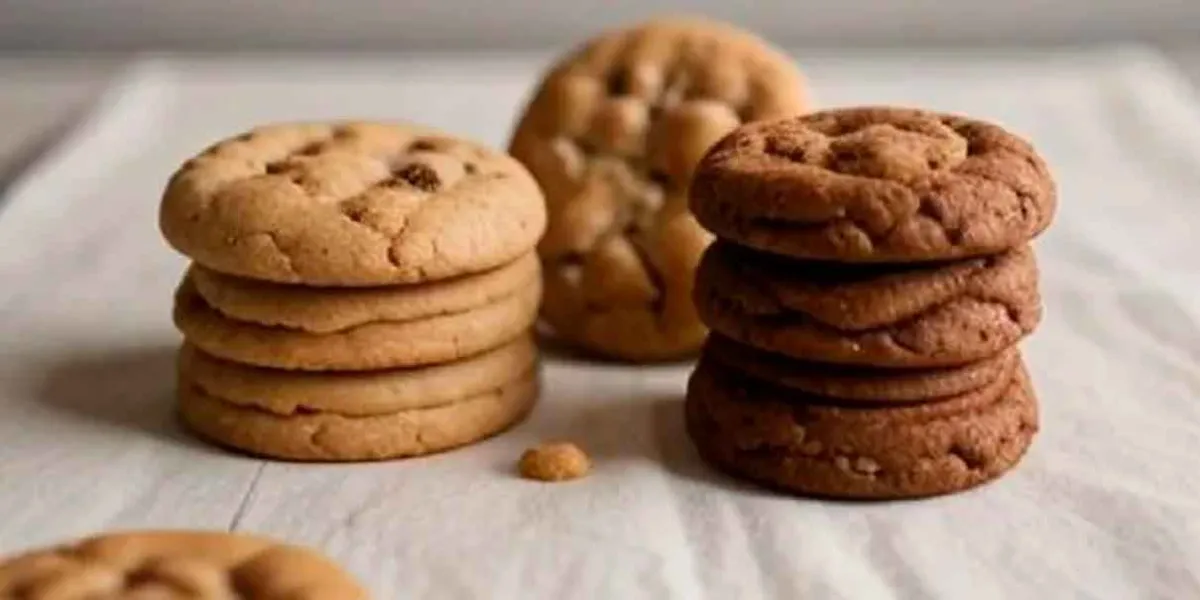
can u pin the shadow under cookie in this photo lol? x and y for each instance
(775, 436)
(936, 315)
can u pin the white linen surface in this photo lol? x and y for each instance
(1106, 505)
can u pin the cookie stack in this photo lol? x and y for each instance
(359, 291)
(613, 134)
(872, 278)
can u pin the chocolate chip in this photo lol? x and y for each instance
(420, 176)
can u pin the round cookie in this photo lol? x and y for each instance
(872, 315)
(363, 346)
(176, 564)
(861, 384)
(774, 436)
(355, 393)
(330, 436)
(350, 204)
(328, 310)
(874, 185)
(612, 135)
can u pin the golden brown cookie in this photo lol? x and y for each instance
(862, 384)
(921, 315)
(554, 461)
(348, 204)
(612, 135)
(355, 393)
(362, 346)
(201, 565)
(779, 438)
(328, 310)
(874, 185)
(330, 436)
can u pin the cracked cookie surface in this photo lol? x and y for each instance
(351, 204)
(330, 436)
(612, 135)
(802, 444)
(176, 564)
(927, 315)
(362, 346)
(357, 393)
(874, 185)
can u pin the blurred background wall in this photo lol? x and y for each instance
(467, 24)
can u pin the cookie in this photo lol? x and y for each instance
(330, 436)
(355, 393)
(362, 346)
(350, 204)
(612, 135)
(874, 185)
(777, 437)
(328, 310)
(862, 384)
(176, 564)
(920, 315)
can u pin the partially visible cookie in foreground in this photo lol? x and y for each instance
(874, 185)
(921, 315)
(612, 135)
(783, 439)
(176, 564)
(348, 204)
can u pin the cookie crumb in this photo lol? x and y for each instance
(554, 461)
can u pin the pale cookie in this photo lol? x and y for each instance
(862, 384)
(356, 393)
(797, 443)
(927, 315)
(349, 204)
(367, 346)
(612, 135)
(163, 565)
(329, 436)
(328, 310)
(874, 185)
(556, 461)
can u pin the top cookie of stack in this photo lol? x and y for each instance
(871, 279)
(613, 135)
(383, 272)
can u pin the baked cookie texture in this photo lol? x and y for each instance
(799, 443)
(329, 435)
(613, 135)
(872, 278)
(349, 204)
(861, 383)
(360, 345)
(359, 291)
(176, 564)
(359, 393)
(884, 316)
(874, 184)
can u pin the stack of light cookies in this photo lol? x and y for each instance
(359, 291)
(613, 134)
(872, 278)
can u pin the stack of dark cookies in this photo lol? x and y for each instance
(871, 281)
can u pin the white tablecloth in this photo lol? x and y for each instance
(1106, 505)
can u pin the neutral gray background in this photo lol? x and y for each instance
(406, 24)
